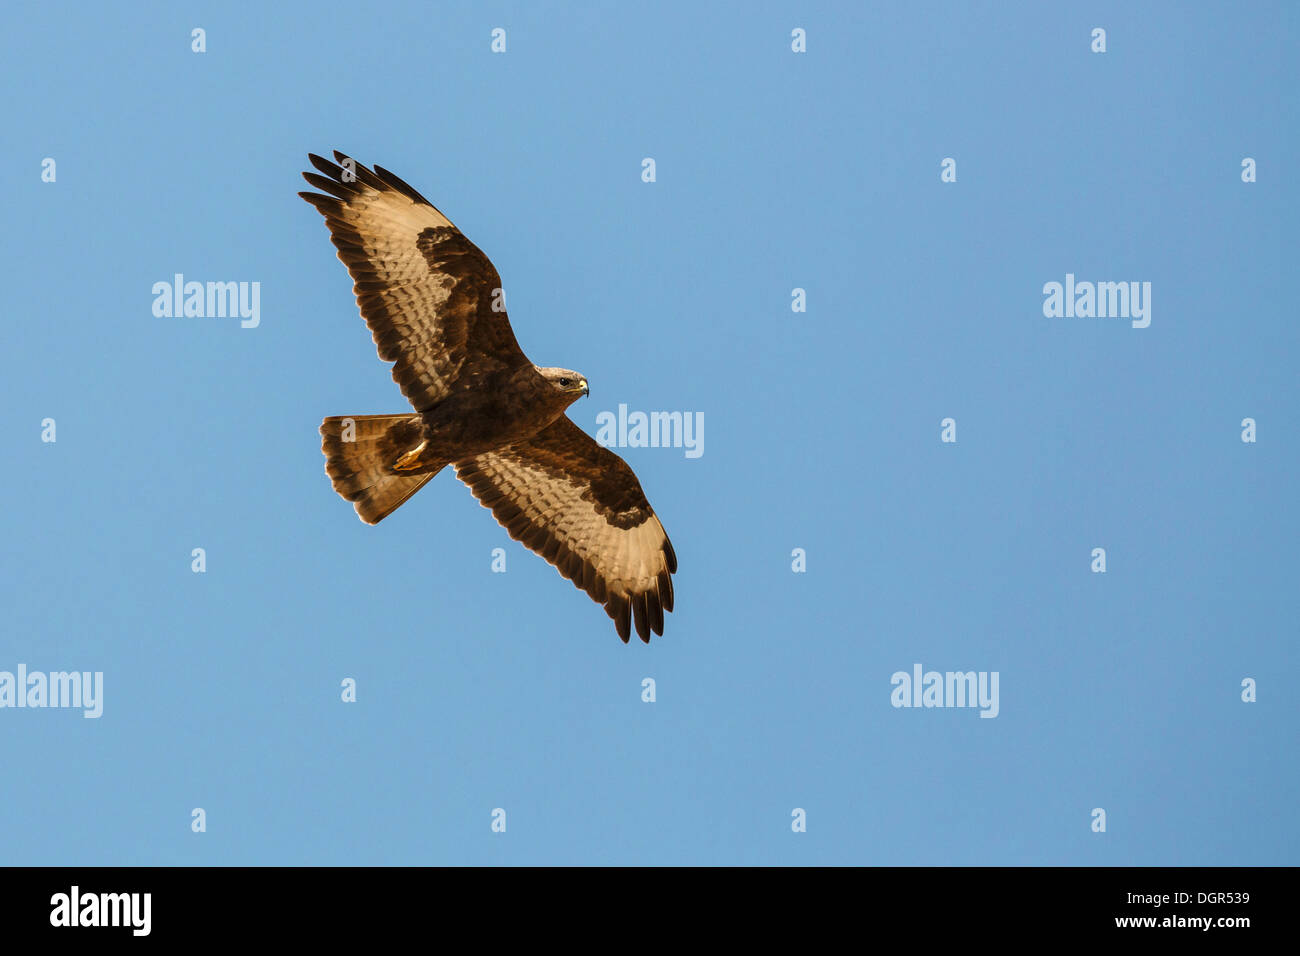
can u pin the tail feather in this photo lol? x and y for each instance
(359, 454)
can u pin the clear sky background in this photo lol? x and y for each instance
(775, 170)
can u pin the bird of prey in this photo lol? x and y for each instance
(433, 303)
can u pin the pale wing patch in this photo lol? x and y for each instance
(554, 515)
(388, 224)
(422, 287)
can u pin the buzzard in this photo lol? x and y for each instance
(432, 302)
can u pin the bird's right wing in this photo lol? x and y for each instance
(426, 291)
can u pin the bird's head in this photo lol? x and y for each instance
(567, 383)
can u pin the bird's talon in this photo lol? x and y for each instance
(411, 460)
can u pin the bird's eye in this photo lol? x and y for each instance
(565, 382)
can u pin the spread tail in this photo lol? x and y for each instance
(359, 454)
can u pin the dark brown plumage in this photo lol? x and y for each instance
(432, 301)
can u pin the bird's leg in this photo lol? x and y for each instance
(411, 460)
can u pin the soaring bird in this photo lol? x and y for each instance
(434, 305)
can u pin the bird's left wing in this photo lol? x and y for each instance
(581, 508)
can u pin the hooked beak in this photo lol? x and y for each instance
(586, 389)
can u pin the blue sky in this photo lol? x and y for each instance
(774, 171)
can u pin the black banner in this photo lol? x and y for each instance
(1162, 905)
